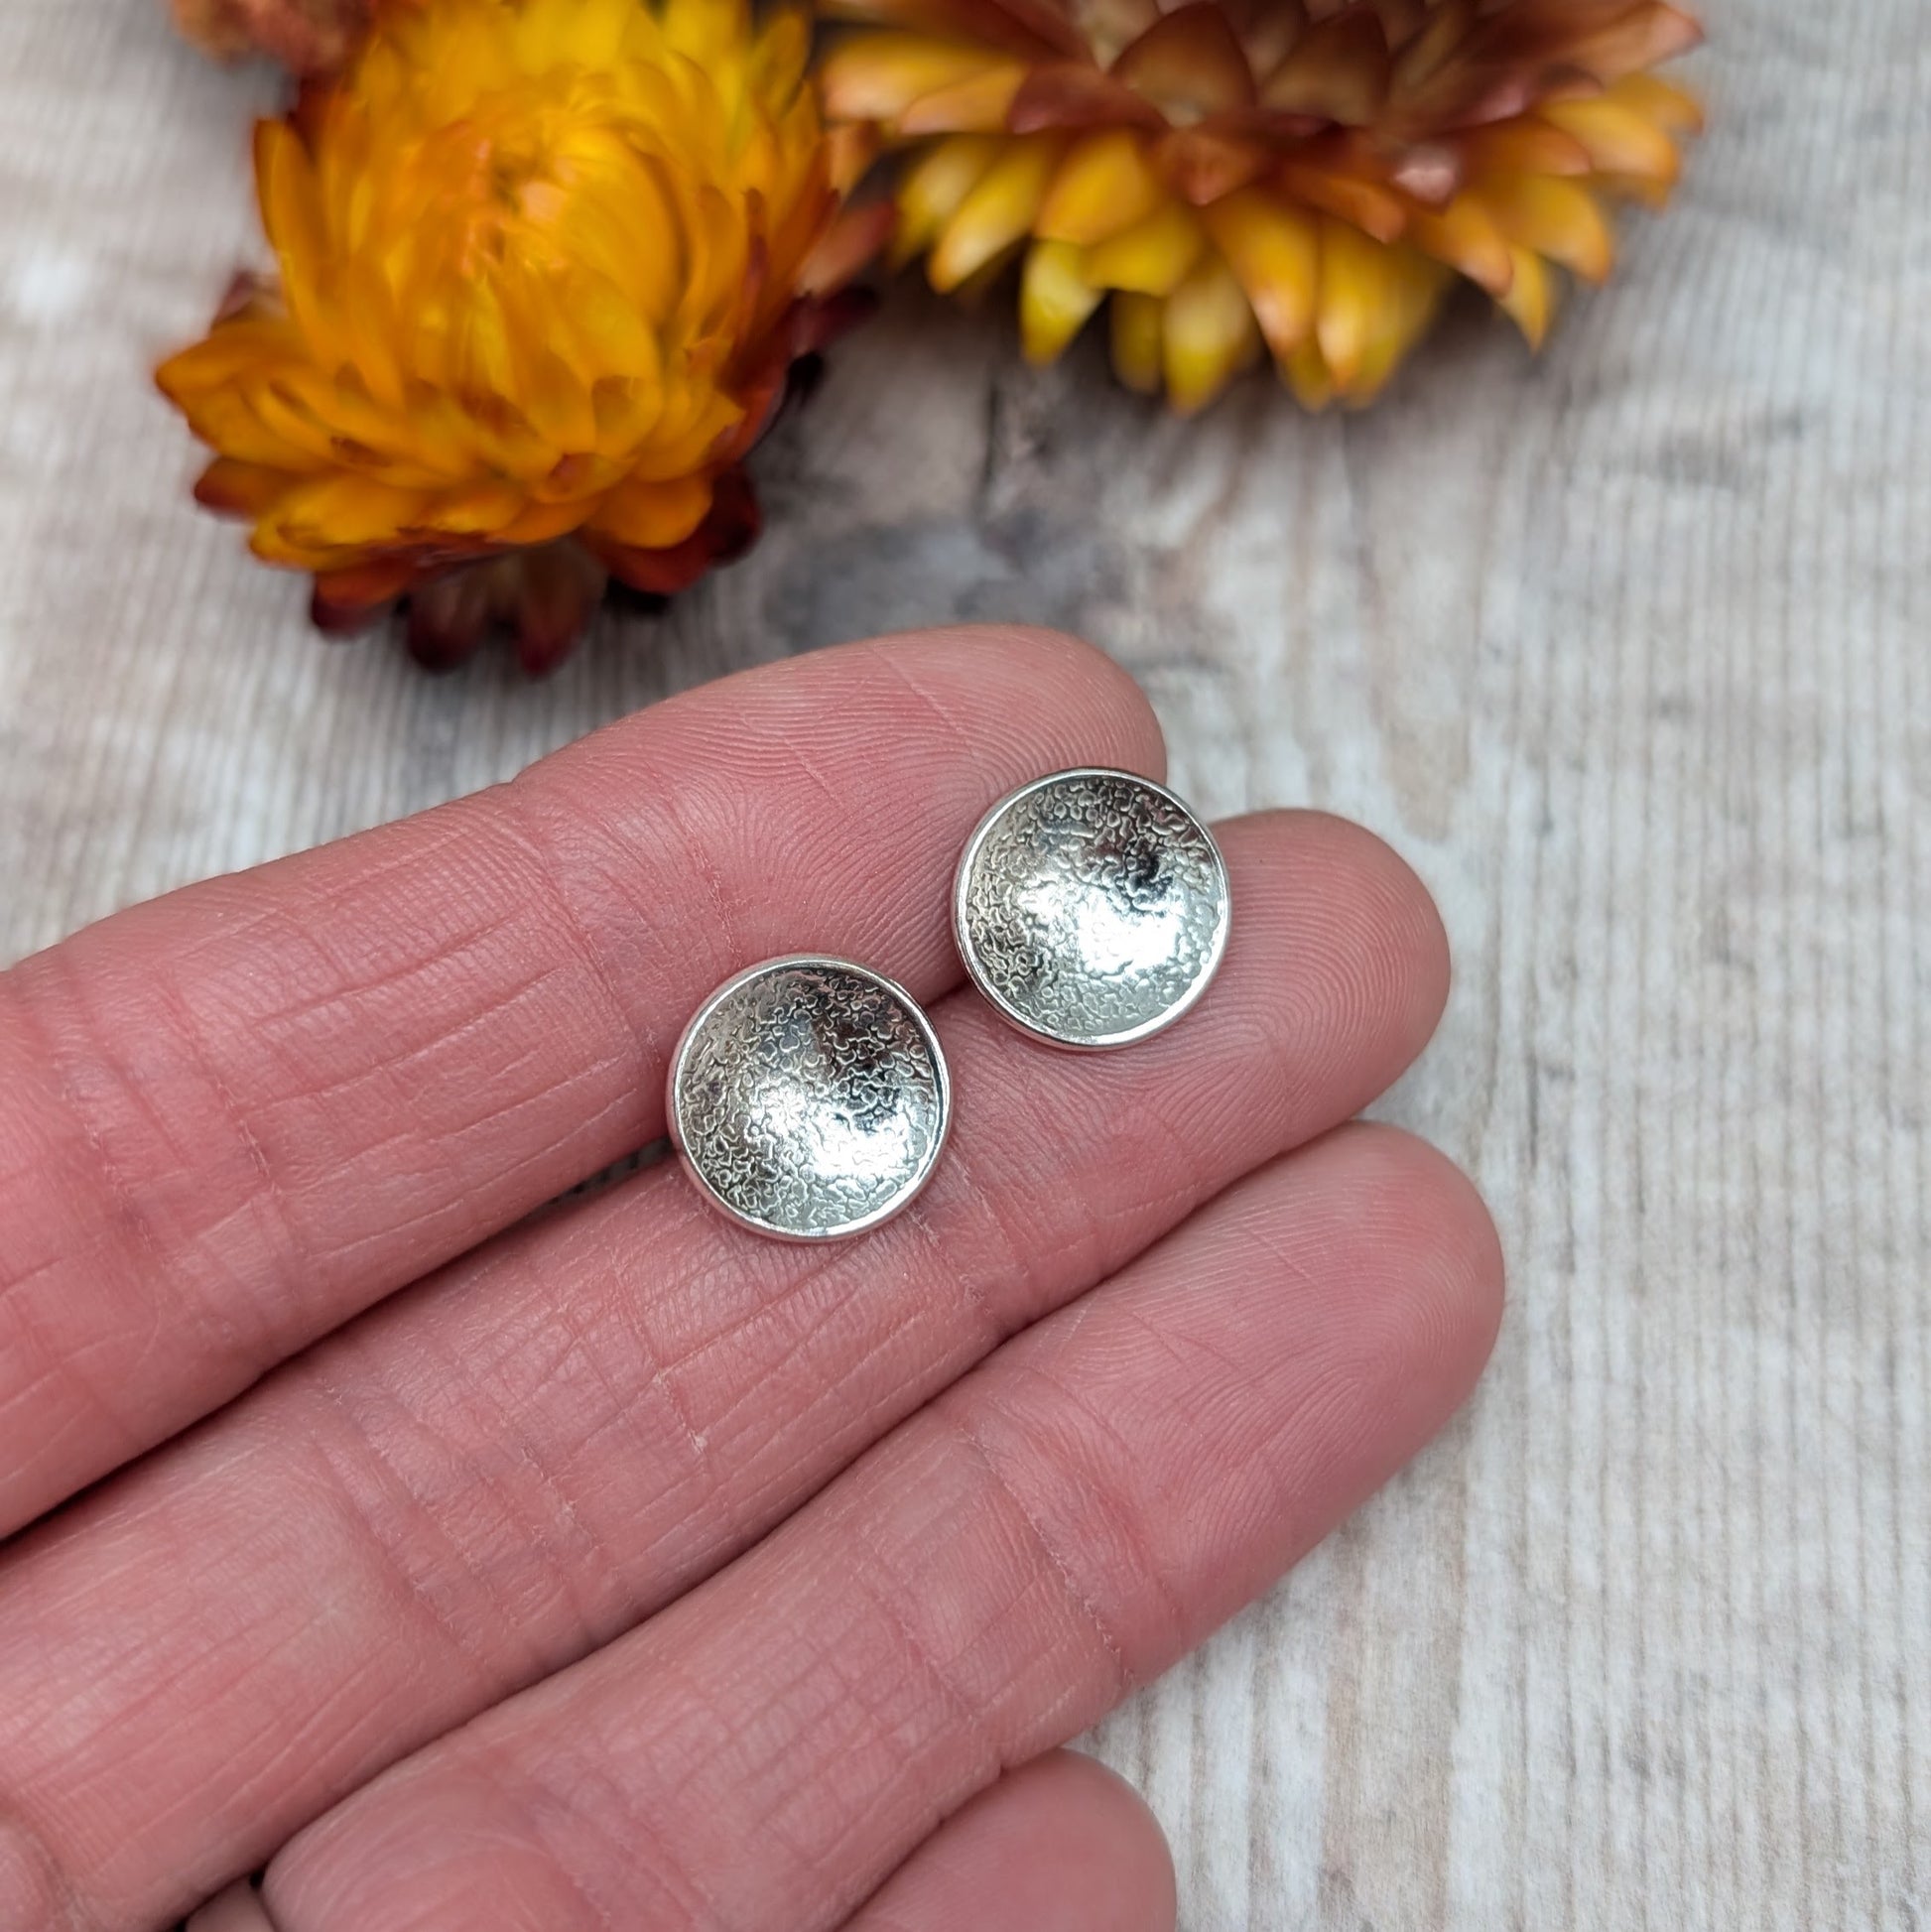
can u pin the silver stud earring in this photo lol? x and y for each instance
(809, 1099)
(1091, 908)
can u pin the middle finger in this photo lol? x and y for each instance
(507, 1467)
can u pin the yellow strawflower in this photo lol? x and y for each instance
(1300, 177)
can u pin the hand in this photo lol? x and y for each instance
(613, 1567)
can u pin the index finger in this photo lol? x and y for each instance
(233, 1119)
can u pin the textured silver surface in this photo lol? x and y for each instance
(809, 1099)
(1091, 908)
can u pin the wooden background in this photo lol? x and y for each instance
(1630, 651)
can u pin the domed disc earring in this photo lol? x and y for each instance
(809, 1099)
(1091, 908)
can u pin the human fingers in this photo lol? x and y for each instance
(515, 1462)
(231, 1119)
(1052, 1531)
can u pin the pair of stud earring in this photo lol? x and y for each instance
(810, 1098)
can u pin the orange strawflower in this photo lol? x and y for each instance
(1304, 178)
(543, 264)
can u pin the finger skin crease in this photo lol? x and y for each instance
(422, 1582)
(516, 1809)
(915, 687)
(36, 1894)
(639, 1848)
(1148, 1573)
(522, 823)
(702, 1474)
(407, 1517)
(241, 1908)
(96, 1088)
(958, 1423)
(121, 1213)
(984, 1753)
(399, 1066)
(1011, 1261)
(191, 1256)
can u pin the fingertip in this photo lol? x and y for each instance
(1332, 1312)
(238, 1910)
(1415, 924)
(1060, 1844)
(1345, 943)
(1108, 1830)
(1436, 1299)
(1397, 905)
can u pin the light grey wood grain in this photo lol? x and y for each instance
(1630, 651)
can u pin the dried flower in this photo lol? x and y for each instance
(543, 264)
(1305, 176)
(308, 36)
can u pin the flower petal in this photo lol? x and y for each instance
(1659, 102)
(1189, 63)
(1055, 300)
(998, 212)
(1652, 194)
(1618, 139)
(1153, 256)
(1374, 302)
(856, 238)
(336, 515)
(1306, 373)
(1368, 206)
(850, 150)
(291, 203)
(1338, 70)
(1076, 95)
(654, 516)
(1527, 145)
(1467, 237)
(1556, 219)
(1274, 250)
(980, 101)
(1210, 334)
(543, 523)
(1030, 28)
(559, 588)
(241, 489)
(208, 371)
(482, 510)
(935, 189)
(351, 599)
(1529, 300)
(1398, 325)
(1136, 330)
(878, 76)
(728, 530)
(1424, 55)
(227, 421)
(450, 615)
(1644, 37)
(1202, 163)
(1104, 186)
